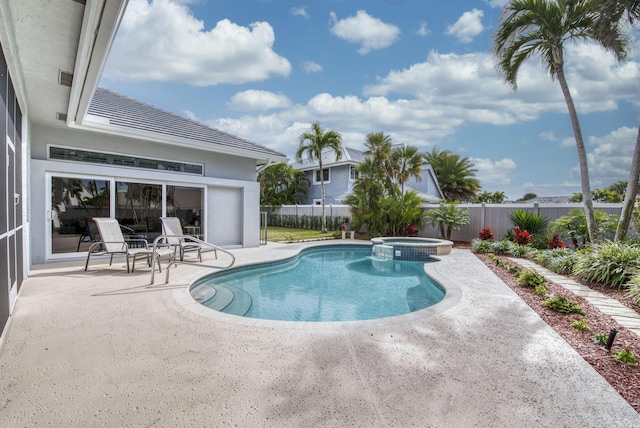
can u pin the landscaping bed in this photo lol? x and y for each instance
(623, 377)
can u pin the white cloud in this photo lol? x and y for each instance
(491, 172)
(610, 160)
(311, 67)
(163, 41)
(497, 3)
(467, 26)
(548, 136)
(369, 32)
(423, 30)
(252, 100)
(300, 11)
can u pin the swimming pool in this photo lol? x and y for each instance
(342, 283)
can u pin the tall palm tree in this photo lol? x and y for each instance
(379, 148)
(407, 163)
(541, 27)
(611, 12)
(456, 175)
(314, 143)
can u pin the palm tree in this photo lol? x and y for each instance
(407, 163)
(314, 143)
(541, 27)
(611, 12)
(281, 184)
(456, 175)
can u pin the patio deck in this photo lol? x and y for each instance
(104, 348)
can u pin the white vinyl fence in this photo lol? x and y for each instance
(494, 216)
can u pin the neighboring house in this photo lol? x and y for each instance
(340, 176)
(72, 151)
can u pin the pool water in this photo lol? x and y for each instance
(322, 284)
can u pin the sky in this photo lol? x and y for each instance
(421, 71)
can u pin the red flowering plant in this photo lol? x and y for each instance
(411, 230)
(555, 242)
(486, 234)
(521, 237)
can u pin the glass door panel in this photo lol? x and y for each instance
(74, 202)
(187, 204)
(138, 209)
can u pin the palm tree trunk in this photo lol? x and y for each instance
(632, 190)
(582, 155)
(323, 219)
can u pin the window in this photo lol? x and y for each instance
(326, 176)
(353, 173)
(76, 155)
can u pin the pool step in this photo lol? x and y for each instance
(241, 302)
(201, 293)
(228, 299)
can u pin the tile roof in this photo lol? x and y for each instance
(131, 114)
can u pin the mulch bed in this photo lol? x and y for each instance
(623, 377)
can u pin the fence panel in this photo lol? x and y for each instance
(494, 216)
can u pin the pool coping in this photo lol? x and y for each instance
(452, 297)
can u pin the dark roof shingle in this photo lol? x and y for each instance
(129, 113)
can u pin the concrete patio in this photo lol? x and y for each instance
(103, 348)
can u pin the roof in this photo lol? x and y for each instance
(115, 110)
(350, 156)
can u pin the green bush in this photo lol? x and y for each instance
(534, 223)
(482, 246)
(625, 357)
(540, 290)
(562, 304)
(530, 278)
(503, 247)
(634, 288)
(558, 260)
(581, 325)
(611, 264)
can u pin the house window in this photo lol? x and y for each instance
(317, 202)
(353, 173)
(326, 176)
(88, 156)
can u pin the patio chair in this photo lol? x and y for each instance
(113, 242)
(171, 226)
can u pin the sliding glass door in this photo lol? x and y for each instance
(136, 205)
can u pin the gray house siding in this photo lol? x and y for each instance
(338, 185)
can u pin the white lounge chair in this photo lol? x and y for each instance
(171, 227)
(112, 242)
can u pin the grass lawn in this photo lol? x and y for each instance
(277, 234)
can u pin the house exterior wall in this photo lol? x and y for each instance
(231, 199)
(339, 184)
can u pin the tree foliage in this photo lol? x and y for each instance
(456, 175)
(314, 144)
(541, 28)
(280, 184)
(448, 217)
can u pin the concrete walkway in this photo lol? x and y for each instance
(626, 317)
(102, 348)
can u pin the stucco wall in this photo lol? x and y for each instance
(232, 193)
(215, 164)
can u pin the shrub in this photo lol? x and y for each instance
(481, 246)
(580, 325)
(535, 223)
(521, 237)
(574, 226)
(530, 278)
(555, 242)
(562, 304)
(559, 260)
(625, 357)
(540, 290)
(600, 338)
(486, 234)
(612, 264)
(634, 288)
